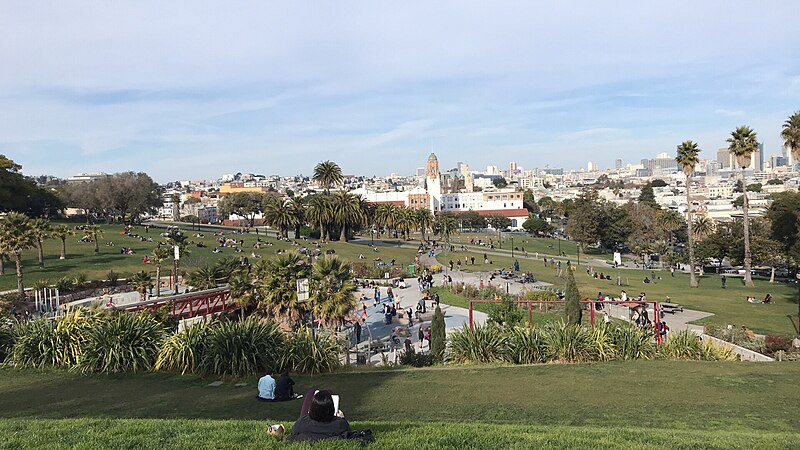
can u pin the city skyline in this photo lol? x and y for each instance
(274, 88)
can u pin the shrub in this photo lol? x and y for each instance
(124, 343)
(183, 352)
(711, 351)
(480, 344)
(773, 344)
(603, 344)
(568, 342)
(6, 340)
(682, 345)
(65, 284)
(438, 335)
(506, 313)
(526, 346)
(305, 352)
(52, 343)
(538, 295)
(572, 305)
(416, 359)
(632, 342)
(112, 277)
(242, 348)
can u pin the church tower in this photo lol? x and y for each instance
(433, 183)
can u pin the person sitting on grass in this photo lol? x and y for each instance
(319, 419)
(284, 387)
(767, 299)
(266, 388)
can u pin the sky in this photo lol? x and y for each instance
(196, 89)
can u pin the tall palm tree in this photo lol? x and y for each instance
(319, 212)
(159, 256)
(407, 220)
(742, 143)
(206, 277)
(276, 280)
(61, 232)
(327, 174)
(424, 220)
(94, 232)
(444, 226)
(688, 160)
(791, 135)
(16, 235)
(176, 238)
(332, 290)
(41, 231)
(347, 211)
(242, 290)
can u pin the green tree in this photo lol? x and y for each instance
(347, 212)
(784, 217)
(319, 212)
(537, 226)
(647, 196)
(572, 301)
(702, 227)
(658, 182)
(159, 255)
(498, 222)
(444, 226)
(584, 219)
(61, 232)
(790, 133)
(41, 231)
(298, 208)
(243, 291)
(16, 236)
(687, 159)
(424, 221)
(94, 232)
(206, 277)
(528, 202)
(280, 214)
(21, 194)
(742, 144)
(243, 204)
(754, 187)
(616, 225)
(774, 181)
(327, 174)
(276, 281)
(332, 290)
(438, 335)
(141, 282)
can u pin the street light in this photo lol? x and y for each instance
(512, 246)
(578, 247)
(372, 236)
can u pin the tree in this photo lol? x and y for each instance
(537, 226)
(347, 212)
(280, 214)
(498, 222)
(21, 194)
(297, 207)
(192, 219)
(332, 290)
(784, 216)
(16, 235)
(791, 135)
(444, 226)
(276, 282)
(669, 222)
(616, 225)
(61, 232)
(472, 220)
(647, 196)
(687, 158)
(243, 291)
(407, 220)
(774, 181)
(206, 277)
(658, 182)
(499, 182)
(584, 219)
(702, 227)
(742, 144)
(159, 256)
(327, 174)
(94, 232)
(528, 202)
(424, 220)
(319, 212)
(141, 282)
(243, 204)
(41, 231)
(572, 301)
(438, 336)
(754, 187)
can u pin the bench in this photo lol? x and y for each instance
(671, 308)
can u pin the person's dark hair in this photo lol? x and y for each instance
(285, 372)
(268, 371)
(322, 407)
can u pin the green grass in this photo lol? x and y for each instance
(729, 306)
(82, 259)
(625, 405)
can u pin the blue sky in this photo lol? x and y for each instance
(195, 89)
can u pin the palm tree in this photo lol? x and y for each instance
(280, 214)
(297, 206)
(347, 211)
(743, 142)
(407, 220)
(176, 238)
(159, 255)
(327, 174)
(445, 225)
(703, 227)
(3, 257)
(688, 160)
(319, 212)
(242, 290)
(94, 232)
(206, 277)
(41, 230)
(277, 285)
(332, 290)
(141, 281)
(424, 220)
(791, 135)
(669, 221)
(16, 235)
(61, 232)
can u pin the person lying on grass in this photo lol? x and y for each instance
(320, 419)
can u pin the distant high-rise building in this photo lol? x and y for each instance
(420, 171)
(512, 168)
(618, 164)
(590, 167)
(724, 158)
(758, 158)
(463, 168)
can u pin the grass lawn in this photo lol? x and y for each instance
(619, 405)
(729, 305)
(82, 259)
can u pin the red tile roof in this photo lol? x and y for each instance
(497, 212)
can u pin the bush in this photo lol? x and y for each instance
(506, 313)
(125, 343)
(242, 348)
(480, 344)
(632, 342)
(438, 335)
(603, 344)
(52, 343)
(572, 306)
(716, 352)
(6, 340)
(416, 359)
(682, 345)
(773, 344)
(183, 352)
(112, 277)
(306, 353)
(526, 346)
(569, 342)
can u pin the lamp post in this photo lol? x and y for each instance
(578, 247)
(559, 244)
(372, 236)
(512, 246)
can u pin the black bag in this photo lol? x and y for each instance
(363, 436)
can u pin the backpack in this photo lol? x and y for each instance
(362, 436)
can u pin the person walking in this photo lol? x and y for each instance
(357, 328)
(724, 281)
